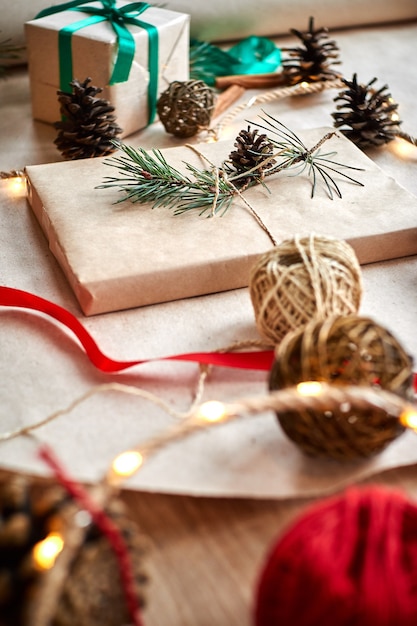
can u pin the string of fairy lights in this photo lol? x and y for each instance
(311, 394)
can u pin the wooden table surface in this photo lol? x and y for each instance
(205, 554)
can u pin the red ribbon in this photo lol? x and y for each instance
(260, 360)
(105, 524)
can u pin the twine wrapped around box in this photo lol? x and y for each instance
(302, 278)
(342, 350)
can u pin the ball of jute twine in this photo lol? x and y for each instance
(342, 350)
(300, 279)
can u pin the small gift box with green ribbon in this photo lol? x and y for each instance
(132, 50)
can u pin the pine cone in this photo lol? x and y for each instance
(366, 115)
(312, 62)
(253, 151)
(91, 594)
(24, 521)
(88, 126)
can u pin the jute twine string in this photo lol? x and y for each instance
(220, 173)
(402, 135)
(138, 392)
(302, 278)
(271, 96)
(332, 397)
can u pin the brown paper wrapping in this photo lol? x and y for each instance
(120, 256)
(93, 50)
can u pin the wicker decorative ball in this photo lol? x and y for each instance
(301, 279)
(342, 350)
(185, 108)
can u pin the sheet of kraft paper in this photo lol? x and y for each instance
(43, 369)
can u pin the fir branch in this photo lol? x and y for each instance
(208, 61)
(8, 51)
(146, 177)
(296, 154)
(149, 178)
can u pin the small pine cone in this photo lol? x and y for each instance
(252, 151)
(89, 124)
(366, 115)
(91, 593)
(312, 62)
(25, 519)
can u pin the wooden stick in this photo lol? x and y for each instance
(227, 98)
(252, 81)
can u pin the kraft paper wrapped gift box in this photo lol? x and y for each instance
(93, 51)
(125, 255)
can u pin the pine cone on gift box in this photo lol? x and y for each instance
(91, 593)
(252, 151)
(88, 125)
(367, 116)
(312, 62)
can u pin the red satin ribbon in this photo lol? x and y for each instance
(260, 360)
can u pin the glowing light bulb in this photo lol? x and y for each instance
(408, 418)
(310, 388)
(17, 185)
(395, 117)
(402, 149)
(45, 552)
(127, 463)
(212, 411)
(304, 84)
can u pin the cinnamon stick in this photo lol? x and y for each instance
(227, 98)
(251, 81)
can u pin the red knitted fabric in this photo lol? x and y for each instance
(349, 561)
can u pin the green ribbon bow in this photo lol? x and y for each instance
(118, 18)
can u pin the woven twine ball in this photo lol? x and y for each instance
(300, 279)
(185, 108)
(348, 560)
(342, 350)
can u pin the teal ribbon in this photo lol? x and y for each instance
(253, 55)
(118, 18)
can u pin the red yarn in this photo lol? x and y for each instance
(349, 561)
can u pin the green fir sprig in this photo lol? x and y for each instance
(8, 51)
(295, 154)
(146, 176)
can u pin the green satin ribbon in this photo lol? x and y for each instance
(118, 18)
(253, 55)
